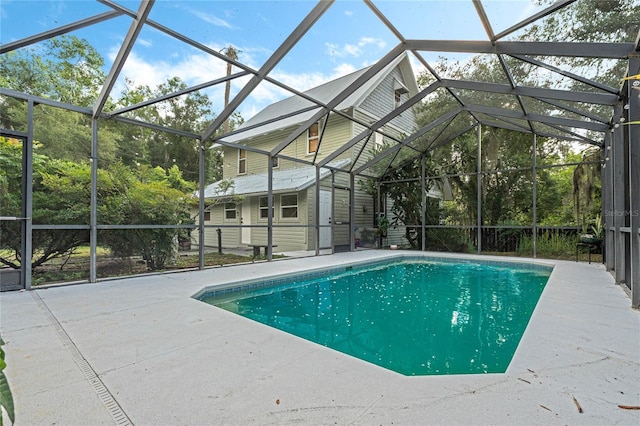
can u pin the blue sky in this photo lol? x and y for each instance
(347, 37)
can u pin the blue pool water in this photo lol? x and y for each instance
(413, 316)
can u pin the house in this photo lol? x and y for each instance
(237, 206)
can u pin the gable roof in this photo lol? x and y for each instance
(323, 93)
(296, 179)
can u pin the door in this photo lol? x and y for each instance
(325, 219)
(245, 220)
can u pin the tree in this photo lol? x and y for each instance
(143, 197)
(55, 200)
(507, 197)
(190, 113)
(65, 69)
(61, 193)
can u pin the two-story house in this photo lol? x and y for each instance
(238, 205)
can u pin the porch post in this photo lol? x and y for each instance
(423, 190)
(93, 226)
(619, 193)
(608, 191)
(534, 226)
(317, 210)
(479, 189)
(633, 139)
(27, 200)
(201, 195)
(333, 209)
(269, 208)
(352, 212)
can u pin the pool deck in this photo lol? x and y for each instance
(142, 351)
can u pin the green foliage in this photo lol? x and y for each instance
(64, 68)
(145, 196)
(587, 187)
(69, 70)
(449, 240)
(61, 193)
(55, 201)
(6, 398)
(551, 244)
(190, 113)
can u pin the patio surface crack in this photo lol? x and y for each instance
(112, 406)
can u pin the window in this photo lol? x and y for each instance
(207, 216)
(399, 89)
(397, 99)
(242, 161)
(313, 138)
(275, 162)
(264, 208)
(230, 211)
(378, 141)
(289, 206)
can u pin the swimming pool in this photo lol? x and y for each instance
(415, 315)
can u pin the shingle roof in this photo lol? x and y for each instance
(323, 93)
(296, 179)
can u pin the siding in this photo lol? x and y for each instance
(286, 238)
(381, 102)
(337, 134)
(230, 236)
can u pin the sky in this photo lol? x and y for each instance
(348, 37)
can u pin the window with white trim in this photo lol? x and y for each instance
(230, 212)
(378, 141)
(242, 161)
(397, 98)
(313, 138)
(289, 206)
(399, 89)
(264, 208)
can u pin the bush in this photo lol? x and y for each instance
(551, 244)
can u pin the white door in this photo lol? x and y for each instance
(245, 219)
(325, 219)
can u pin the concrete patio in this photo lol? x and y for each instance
(143, 351)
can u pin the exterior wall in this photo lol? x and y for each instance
(338, 132)
(230, 236)
(286, 238)
(381, 102)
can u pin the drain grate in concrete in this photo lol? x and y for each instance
(119, 416)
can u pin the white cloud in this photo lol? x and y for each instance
(199, 68)
(209, 18)
(348, 12)
(144, 42)
(355, 50)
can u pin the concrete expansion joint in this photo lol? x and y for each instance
(112, 406)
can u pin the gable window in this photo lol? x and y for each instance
(242, 161)
(399, 89)
(207, 216)
(289, 206)
(264, 208)
(397, 99)
(230, 211)
(313, 138)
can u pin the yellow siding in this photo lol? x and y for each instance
(286, 238)
(230, 236)
(337, 134)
